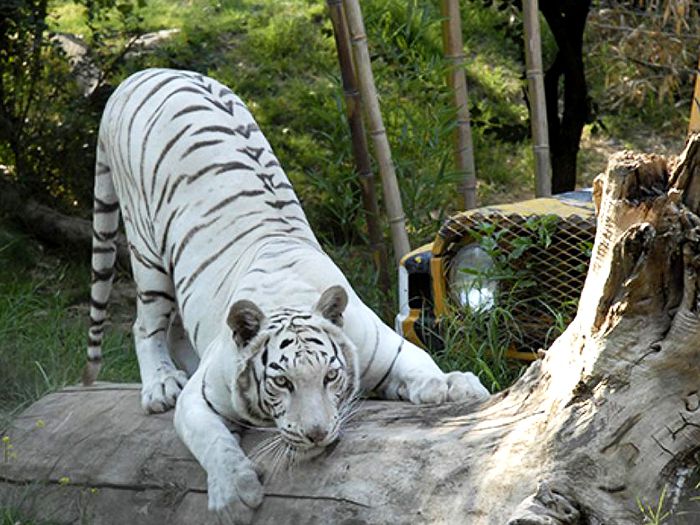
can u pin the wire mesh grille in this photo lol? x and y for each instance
(555, 269)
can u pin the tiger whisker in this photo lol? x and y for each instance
(350, 409)
(255, 427)
(264, 448)
(266, 445)
(348, 416)
(261, 460)
(269, 467)
(276, 459)
(292, 456)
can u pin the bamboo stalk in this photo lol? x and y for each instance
(360, 149)
(694, 124)
(538, 109)
(392, 196)
(457, 82)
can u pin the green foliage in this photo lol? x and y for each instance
(355, 263)
(523, 313)
(49, 121)
(640, 63)
(280, 57)
(516, 276)
(655, 514)
(478, 341)
(10, 516)
(43, 325)
(11, 512)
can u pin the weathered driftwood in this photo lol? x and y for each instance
(609, 416)
(90, 452)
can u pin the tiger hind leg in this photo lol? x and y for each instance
(161, 381)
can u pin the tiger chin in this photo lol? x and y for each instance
(242, 319)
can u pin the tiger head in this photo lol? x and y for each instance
(297, 368)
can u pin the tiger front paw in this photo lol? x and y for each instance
(160, 391)
(234, 494)
(455, 386)
(465, 386)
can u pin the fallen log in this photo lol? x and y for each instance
(609, 417)
(90, 454)
(54, 227)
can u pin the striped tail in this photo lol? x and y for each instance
(105, 225)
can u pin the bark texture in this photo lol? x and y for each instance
(610, 415)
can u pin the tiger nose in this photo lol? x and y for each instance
(316, 434)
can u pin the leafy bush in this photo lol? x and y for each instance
(50, 126)
(641, 64)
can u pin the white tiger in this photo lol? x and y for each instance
(234, 287)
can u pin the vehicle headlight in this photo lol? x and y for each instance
(468, 278)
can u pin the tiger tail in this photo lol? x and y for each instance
(105, 224)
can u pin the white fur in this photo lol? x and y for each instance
(213, 220)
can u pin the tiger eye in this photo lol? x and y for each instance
(281, 382)
(331, 375)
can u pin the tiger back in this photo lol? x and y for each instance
(198, 189)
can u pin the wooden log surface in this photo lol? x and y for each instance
(90, 454)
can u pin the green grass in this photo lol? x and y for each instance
(478, 342)
(279, 56)
(655, 514)
(10, 515)
(43, 326)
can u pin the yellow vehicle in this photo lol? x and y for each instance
(458, 271)
(547, 238)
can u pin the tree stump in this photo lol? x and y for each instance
(610, 416)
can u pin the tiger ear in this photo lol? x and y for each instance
(332, 304)
(244, 319)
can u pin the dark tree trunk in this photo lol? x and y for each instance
(566, 20)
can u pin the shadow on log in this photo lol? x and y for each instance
(610, 416)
